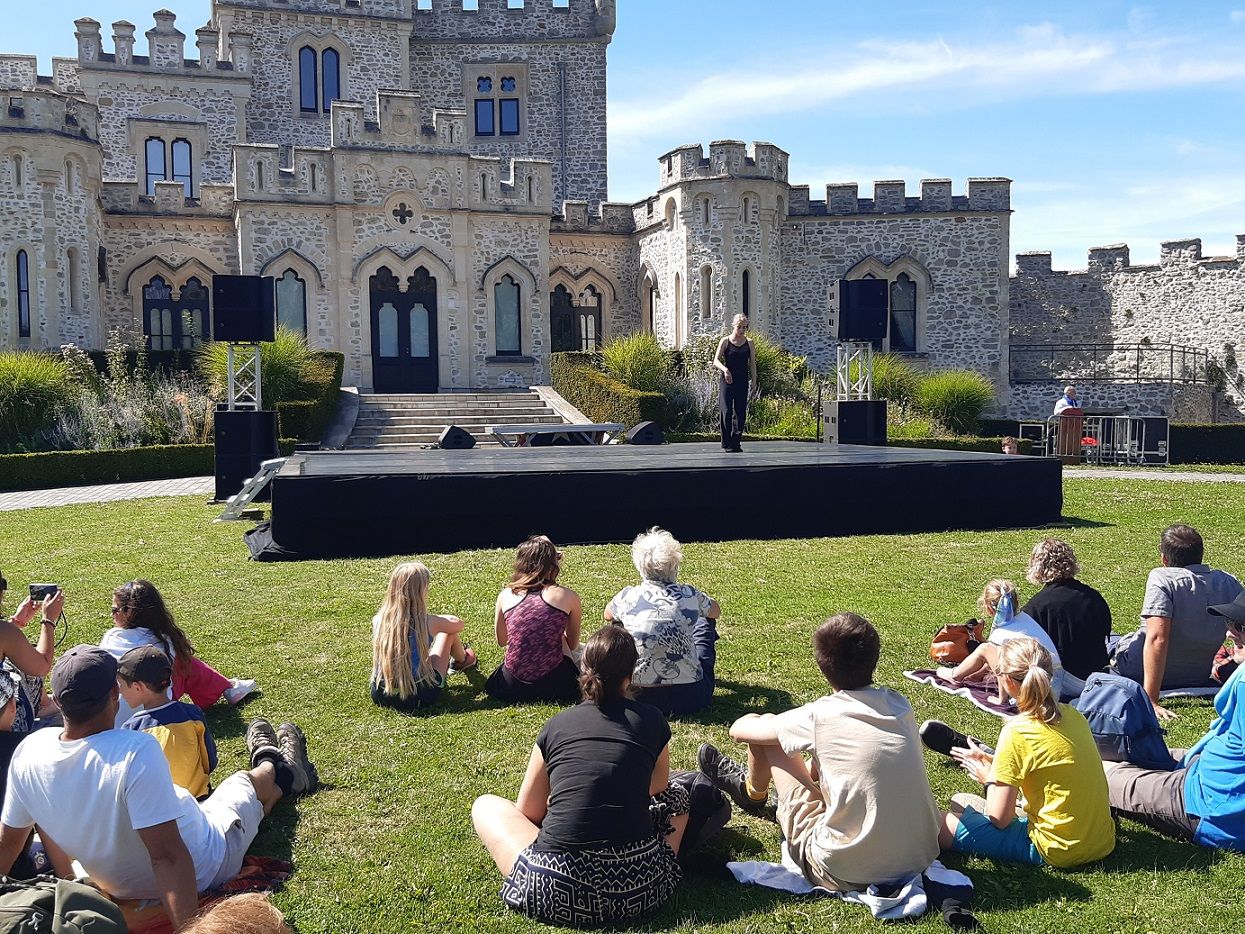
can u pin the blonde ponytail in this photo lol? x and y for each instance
(1026, 662)
(402, 628)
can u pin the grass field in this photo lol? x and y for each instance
(386, 846)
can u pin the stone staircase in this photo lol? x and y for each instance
(393, 422)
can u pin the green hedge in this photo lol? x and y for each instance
(603, 398)
(1207, 444)
(52, 469)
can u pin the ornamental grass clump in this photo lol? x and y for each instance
(290, 370)
(638, 360)
(34, 390)
(955, 399)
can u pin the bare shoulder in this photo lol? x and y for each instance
(562, 597)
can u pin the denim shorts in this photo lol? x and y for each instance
(977, 834)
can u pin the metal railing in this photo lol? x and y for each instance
(1107, 363)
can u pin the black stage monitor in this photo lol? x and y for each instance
(863, 307)
(454, 438)
(243, 309)
(646, 433)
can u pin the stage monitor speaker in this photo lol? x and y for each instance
(243, 309)
(863, 308)
(454, 438)
(244, 439)
(859, 421)
(646, 433)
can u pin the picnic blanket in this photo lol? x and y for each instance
(907, 898)
(259, 874)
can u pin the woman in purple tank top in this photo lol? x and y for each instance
(538, 623)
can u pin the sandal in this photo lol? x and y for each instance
(471, 661)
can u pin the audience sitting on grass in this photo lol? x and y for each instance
(998, 600)
(140, 617)
(1204, 799)
(413, 651)
(1232, 654)
(673, 627)
(143, 678)
(592, 836)
(104, 797)
(26, 665)
(1048, 753)
(1073, 614)
(862, 813)
(249, 913)
(1176, 644)
(538, 623)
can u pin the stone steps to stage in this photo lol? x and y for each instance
(394, 422)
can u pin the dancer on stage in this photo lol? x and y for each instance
(737, 360)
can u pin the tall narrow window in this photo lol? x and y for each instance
(292, 302)
(708, 208)
(74, 276)
(903, 314)
(181, 165)
(158, 314)
(308, 79)
(259, 175)
(157, 167)
(706, 292)
(679, 322)
(484, 107)
(331, 63)
(23, 294)
(746, 288)
(507, 316)
(509, 104)
(193, 304)
(17, 171)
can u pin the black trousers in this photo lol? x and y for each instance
(733, 406)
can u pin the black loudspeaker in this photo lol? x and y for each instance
(244, 439)
(244, 309)
(454, 438)
(646, 433)
(859, 421)
(863, 307)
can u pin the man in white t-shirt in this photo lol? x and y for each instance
(105, 798)
(864, 813)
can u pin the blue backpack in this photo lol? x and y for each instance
(1123, 722)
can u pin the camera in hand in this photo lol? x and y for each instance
(40, 592)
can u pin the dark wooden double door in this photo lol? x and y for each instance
(404, 332)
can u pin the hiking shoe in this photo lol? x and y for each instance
(470, 661)
(731, 777)
(293, 747)
(240, 688)
(260, 735)
(942, 738)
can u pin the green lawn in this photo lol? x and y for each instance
(387, 844)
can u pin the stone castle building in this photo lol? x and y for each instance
(425, 180)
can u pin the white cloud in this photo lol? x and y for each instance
(1041, 60)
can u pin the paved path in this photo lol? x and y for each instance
(201, 486)
(187, 486)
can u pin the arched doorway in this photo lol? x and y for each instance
(575, 325)
(175, 325)
(404, 332)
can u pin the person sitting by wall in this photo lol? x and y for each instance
(998, 601)
(593, 835)
(143, 677)
(413, 650)
(104, 797)
(140, 617)
(1176, 643)
(673, 628)
(1072, 613)
(1047, 752)
(863, 814)
(1204, 799)
(538, 623)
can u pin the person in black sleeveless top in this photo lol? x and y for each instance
(592, 837)
(736, 360)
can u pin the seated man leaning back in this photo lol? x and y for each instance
(104, 797)
(861, 813)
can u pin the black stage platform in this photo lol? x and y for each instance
(360, 503)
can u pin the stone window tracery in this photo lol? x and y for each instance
(159, 167)
(497, 93)
(320, 75)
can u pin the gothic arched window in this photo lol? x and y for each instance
(292, 302)
(903, 315)
(308, 79)
(508, 317)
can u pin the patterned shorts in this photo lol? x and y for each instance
(589, 888)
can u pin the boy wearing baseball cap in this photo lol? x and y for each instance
(143, 677)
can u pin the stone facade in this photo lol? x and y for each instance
(420, 177)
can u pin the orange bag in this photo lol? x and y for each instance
(954, 642)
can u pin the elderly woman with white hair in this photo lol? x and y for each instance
(1072, 613)
(673, 626)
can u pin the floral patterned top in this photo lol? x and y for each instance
(662, 619)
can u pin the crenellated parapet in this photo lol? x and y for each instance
(169, 200)
(39, 109)
(1174, 255)
(166, 47)
(891, 197)
(609, 218)
(529, 21)
(726, 159)
(402, 123)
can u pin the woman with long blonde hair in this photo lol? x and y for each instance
(412, 649)
(1046, 751)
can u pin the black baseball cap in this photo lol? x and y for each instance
(147, 664)
(1234, 611)
(83, 677)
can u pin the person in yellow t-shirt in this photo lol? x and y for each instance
(1047, 752)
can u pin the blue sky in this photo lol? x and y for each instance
(1117, 121)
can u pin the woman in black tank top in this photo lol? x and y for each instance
(736, 360)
